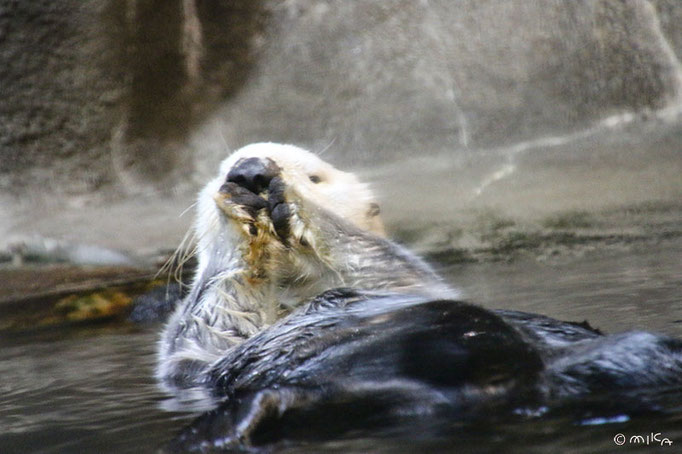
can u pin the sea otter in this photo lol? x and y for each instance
(301, 310)
(277, 227)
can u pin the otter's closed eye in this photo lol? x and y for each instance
(315, 179)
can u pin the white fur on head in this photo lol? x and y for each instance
(337, 191)
(216, 237)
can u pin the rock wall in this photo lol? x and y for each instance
(385, 79)
(62, 92)
(110, 99)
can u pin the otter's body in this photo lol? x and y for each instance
(365, 362)
(262, 255)
(300, 310)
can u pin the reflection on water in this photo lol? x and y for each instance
(92, 390)
(81, 391)
(639, 288)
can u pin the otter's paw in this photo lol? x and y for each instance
(256, 196)
(238, 202)
(279, 209)
(286, 207)
(244, 193)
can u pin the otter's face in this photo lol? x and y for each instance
(312, 178)
(254, 178)
(251, 188)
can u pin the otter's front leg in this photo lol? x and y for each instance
(278, 207)
(324, 247)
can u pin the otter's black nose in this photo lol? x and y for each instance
(253, 174)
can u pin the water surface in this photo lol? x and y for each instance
(91, 389)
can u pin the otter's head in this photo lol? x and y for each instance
(249, 193)
(317, 181)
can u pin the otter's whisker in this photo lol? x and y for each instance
(177, 260)
(325, 149)
(188, 254)
(179, 257)
(186, 210)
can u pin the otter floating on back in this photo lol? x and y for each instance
(301, 309)
(277, 227)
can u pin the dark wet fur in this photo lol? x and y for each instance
(361, 362)
(365, 363)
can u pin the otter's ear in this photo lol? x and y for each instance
(374, 210)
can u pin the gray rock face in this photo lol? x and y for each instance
(96, 90)
(60, 91)
(112, 98)
(388, 78)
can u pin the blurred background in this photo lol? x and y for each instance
(531, 150)
(472, 119)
